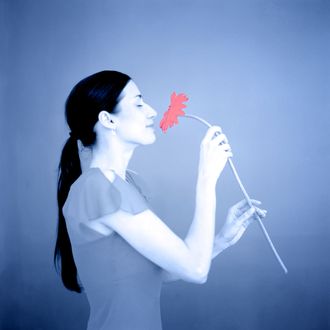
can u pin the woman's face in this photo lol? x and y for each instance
(134, 116)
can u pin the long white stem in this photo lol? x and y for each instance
(247, 199)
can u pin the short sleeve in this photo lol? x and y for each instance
(95, 196)
(100, 198)
(92, 199)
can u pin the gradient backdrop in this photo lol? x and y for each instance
(259, 69)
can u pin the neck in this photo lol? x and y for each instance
(112, 154)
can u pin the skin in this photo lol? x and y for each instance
(131, 131)
(187, 259)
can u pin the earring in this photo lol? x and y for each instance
(113, 131)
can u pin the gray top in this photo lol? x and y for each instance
(122, 286)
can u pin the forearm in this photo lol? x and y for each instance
(218, 247)
(200, 236)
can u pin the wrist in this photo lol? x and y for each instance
(206, 181)
(221, 244)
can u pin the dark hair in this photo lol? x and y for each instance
(91, 95)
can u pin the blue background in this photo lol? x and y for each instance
(259, 69)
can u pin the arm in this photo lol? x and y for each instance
(200, 236)
(218, 247)
(190, 258)
(238, 219)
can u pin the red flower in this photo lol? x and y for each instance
(174, 110)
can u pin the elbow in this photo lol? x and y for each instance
(191, 277)
(202, 280)
(199, 277)
(195, 273)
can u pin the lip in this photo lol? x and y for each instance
(151, 125)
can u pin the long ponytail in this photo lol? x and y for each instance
(88, 97)
(69, 170)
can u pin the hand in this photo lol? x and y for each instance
(238, 219)
(214, 152)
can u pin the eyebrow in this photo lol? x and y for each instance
(140, 96)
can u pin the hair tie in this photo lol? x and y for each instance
(73, 136)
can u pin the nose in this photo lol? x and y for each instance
(151, 112)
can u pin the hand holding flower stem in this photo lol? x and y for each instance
(239, 217)
(170, 118)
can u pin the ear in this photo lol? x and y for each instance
(106, 119)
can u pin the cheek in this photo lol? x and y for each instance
(133, 128)
(133, 123)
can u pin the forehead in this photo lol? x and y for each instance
(127, 97)
(130, 91)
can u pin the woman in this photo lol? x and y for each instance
(109, 241)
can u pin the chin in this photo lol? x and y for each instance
(150, 139)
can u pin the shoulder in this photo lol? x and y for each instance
(92, 177)
(92, 195)
(91, 186)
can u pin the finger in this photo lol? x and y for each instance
(254, 218)
(261, 213)
(244, 206)
(240, 207)
(239, 204)
(224, 147)
(246, 215)
(246, 224)
(210, 133)
(252, 214)
(255, 201)
(220, 139)
(261, 210)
